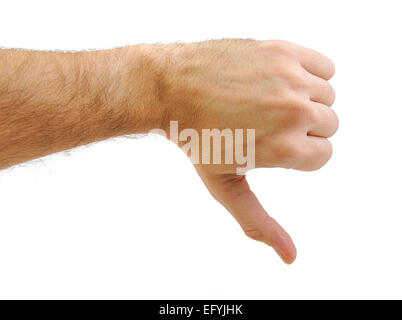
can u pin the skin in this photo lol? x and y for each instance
(52, 101)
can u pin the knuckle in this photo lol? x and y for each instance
(293, 76)
(298, 80)
(280, 47)
(331, 120)
(335, 123)
(326, 156)
(322, 158)
(254, 234)
(299, 112)
(288, 150)
(330, 93)
(328, 151)
(331, 68)
(293, 151)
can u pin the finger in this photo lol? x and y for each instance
(234, 193)
(316, 63)
(324, 121)
(321, 91)
(318, 152)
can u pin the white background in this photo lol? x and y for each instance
(129, 218)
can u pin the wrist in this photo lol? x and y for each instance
(141, 76)
(168, 76)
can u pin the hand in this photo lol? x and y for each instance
(275, 87)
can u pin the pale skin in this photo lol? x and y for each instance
(53, 101)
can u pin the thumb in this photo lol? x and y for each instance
(234, 193)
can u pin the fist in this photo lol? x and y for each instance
(278, 89)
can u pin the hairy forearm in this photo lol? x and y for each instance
(52, 101)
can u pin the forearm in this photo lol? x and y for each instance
(52, 101)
